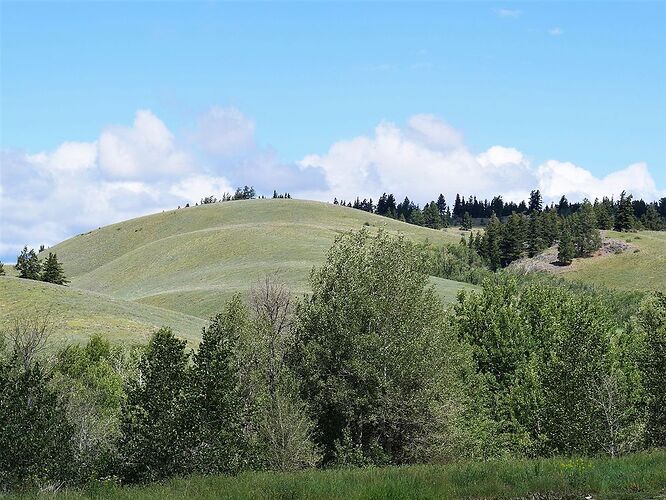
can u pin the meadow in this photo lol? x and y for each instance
(636, 476)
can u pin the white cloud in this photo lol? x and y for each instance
(147, 149)
(555, 31)
(69, 157)
(199, 186)
(428, 156)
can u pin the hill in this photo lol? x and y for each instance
(642, 267)
(82, 313)
(192, 259)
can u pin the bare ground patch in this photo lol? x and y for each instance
(546, 261)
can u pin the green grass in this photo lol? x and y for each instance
(643, 270)
(192, 260)
(81, 314)
(636, 476)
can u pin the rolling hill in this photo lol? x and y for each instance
(178, 267)
(80, 313)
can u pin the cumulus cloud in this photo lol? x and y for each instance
(146, 149)
(429, 156)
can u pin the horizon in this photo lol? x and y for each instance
(115, 110)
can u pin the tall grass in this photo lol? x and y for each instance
(636, 476)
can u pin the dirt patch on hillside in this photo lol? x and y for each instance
(547, 260)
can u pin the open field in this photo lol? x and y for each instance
(643, 268)
(193, 259)
(635, 476)
(81, 313)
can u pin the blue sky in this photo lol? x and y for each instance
(582, 84)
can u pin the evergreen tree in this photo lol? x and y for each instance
(651, 219)
(624, 217)
(28, 265)
(586, 236)
(604, 213)
(155, 435)
(563, 209)
(2, 269)
(52, 271)
(565, 248)
(535, 240)
(536, 201)
(512, 239)
(466, 224)
(431, 216)
(416, 216)
(492, 239)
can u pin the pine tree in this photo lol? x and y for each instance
(604, 212)
(492, 238)
(2, 269)
(512, 239)
(536, 201)
(565, 249)
(651, 219)
(624, 218)
(535, 240)
(416, 217)
(466, 222)
(586, 236)
(432, 216)
(28, 265)
(52, 271)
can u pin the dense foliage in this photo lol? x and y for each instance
(370, 369)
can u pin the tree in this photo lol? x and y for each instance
(650, 324)
(214, 395)
(535, 240)
(35, 432)
(651, 219)
(466, 224)
(563, 208)
(512, 240)
(536, 201)
(431, 216)
(565, 248)
(28, 265)
(52, 271)
(604, 213)
(244, 193)
(624, 218)
(492, 239)
(586, 237)
(379, 369)
(2, 269)
(155, 436)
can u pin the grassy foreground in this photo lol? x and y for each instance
(636, 476)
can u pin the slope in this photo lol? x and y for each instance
(191, 260)
(79, 313)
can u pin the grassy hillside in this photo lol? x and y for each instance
(191, 260)
(635, 476)
(643, 268)
(82, 313)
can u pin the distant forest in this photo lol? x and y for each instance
(465, 210)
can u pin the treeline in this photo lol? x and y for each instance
(622, 215)
(370, 369)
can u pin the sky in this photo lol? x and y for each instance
(110, 110)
